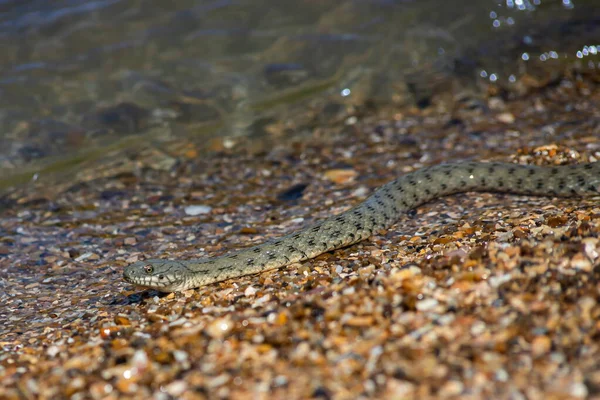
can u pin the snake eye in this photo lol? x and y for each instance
(148, 269)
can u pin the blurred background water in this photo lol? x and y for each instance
(78, 78)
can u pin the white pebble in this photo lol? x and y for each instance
(427, 304)
(53, 350)
(197, 210)
(250, 291)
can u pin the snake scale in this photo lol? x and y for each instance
(378, 212)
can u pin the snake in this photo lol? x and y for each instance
(376, 213)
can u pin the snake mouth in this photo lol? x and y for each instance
(161, 283)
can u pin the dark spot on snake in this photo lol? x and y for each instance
(540, 184)
(531, 171)
(257, 250)
(500, 183)
(511, 171)
(463, 183)
(482, 182)
(428, 177)
(311, 242)
(412, 182)
(444, 186)
(358, 226)
(554, 171)
(491, 170)
(520, 182)
(588, 166)
(427, 192)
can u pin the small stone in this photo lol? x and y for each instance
(506, 118)
(360, 321)
(219, 328)
(197, 210)
(125, 385)
(427, 304)
(176, 388)
(217, 381)
(130, 241)
(120, 320)
(340, 175)
(540, 345)
(53, 351)
(250, 291)
(451, 388)
(581, 262)
(87, 256)
(591, 248)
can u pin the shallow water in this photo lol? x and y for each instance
(78, 77)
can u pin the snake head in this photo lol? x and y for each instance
(162, 275)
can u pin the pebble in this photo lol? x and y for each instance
(219, 328)
(541, 345)
(250, 291)
(197, 210)
(340, 176)
(474, 295)
(506, 118)
(427, 304)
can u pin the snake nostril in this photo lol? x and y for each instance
(161, 277)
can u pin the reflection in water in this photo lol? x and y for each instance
(77, 75)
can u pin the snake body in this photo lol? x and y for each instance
(378, 212)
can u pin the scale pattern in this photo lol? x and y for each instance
(378, 212)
